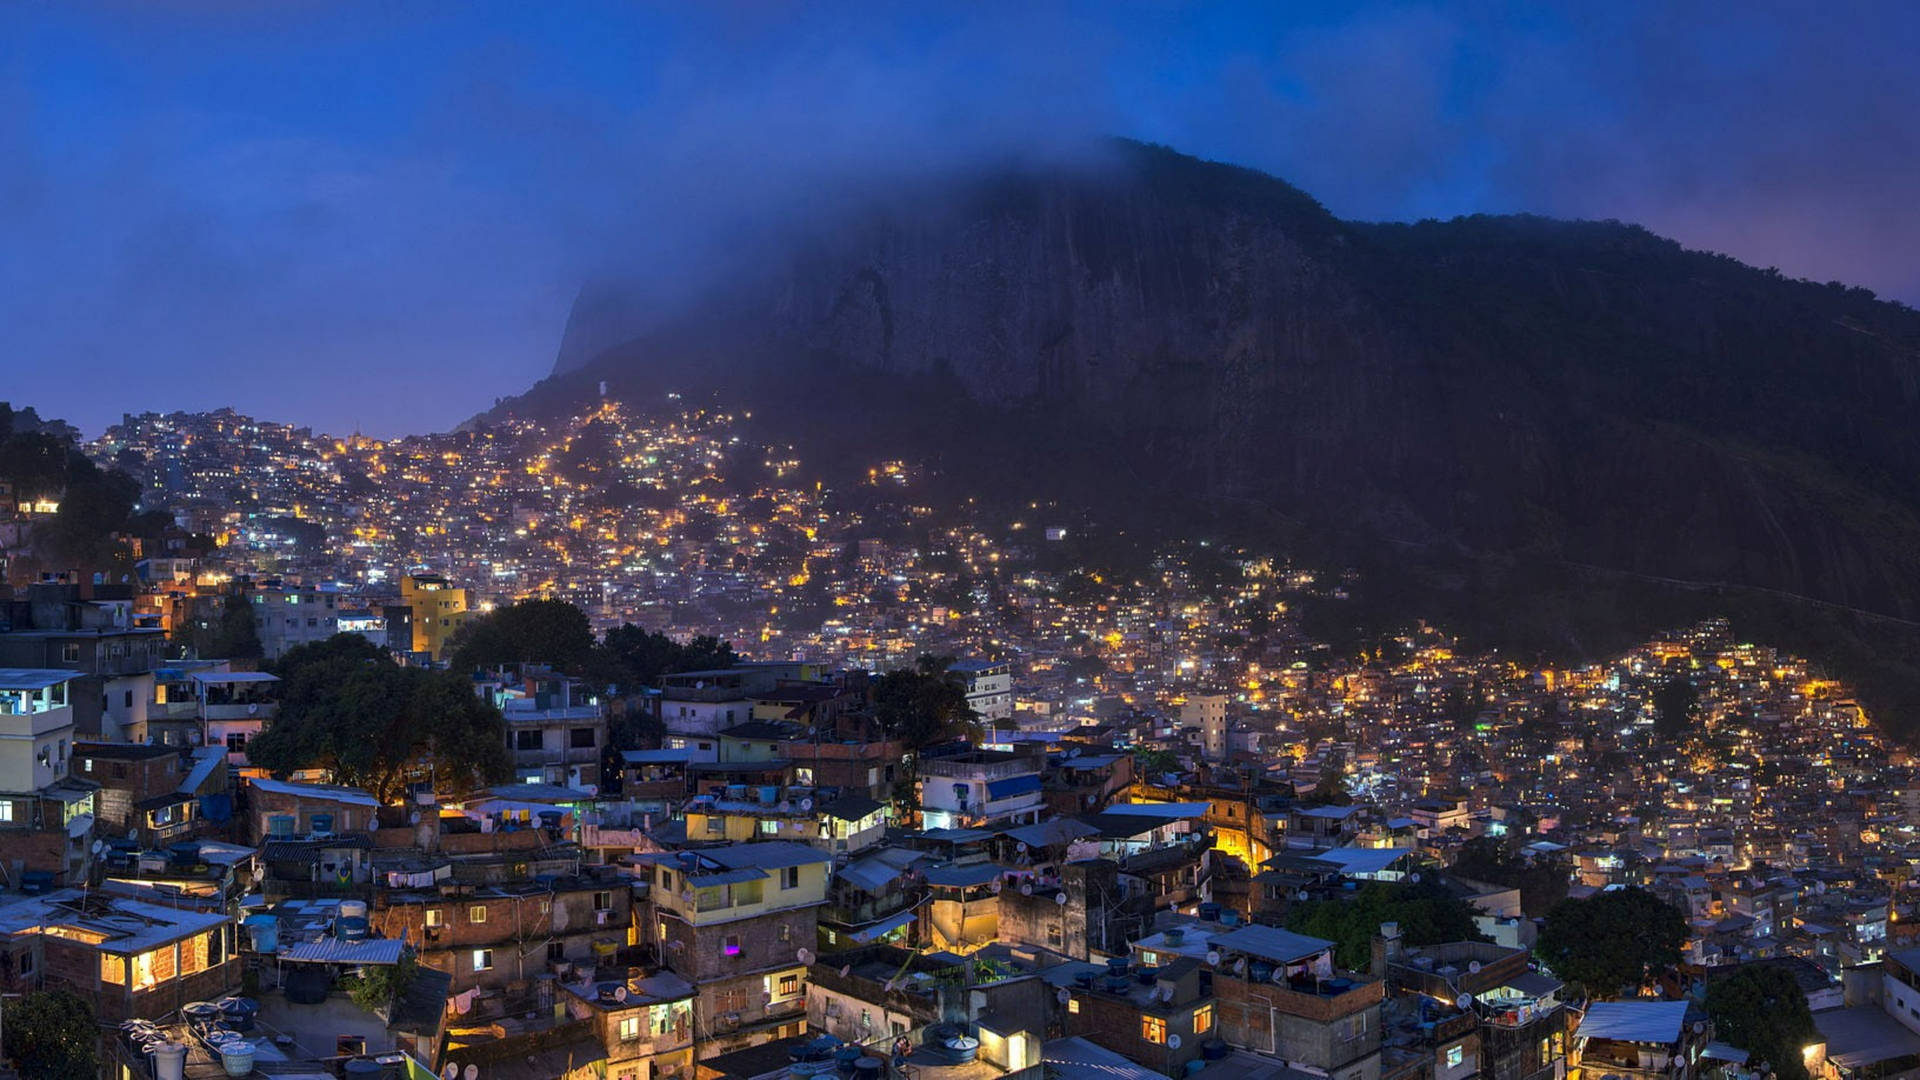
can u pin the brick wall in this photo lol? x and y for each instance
(519, 930)
(1116, 1022)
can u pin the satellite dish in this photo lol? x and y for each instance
(845, 970)
(373, 824)
(99, 846)
(1464, 1001)
(1473, 967)
(1173, 1042)
(805, 955)
(450, 1071)
(1415, 876)
(471, 1072)
(1240, 966)
(1064, 995)
(620, 993)
(413, 818)
(1026, 888)
(1699, 1026)
(1213, 957)
(806, 804)
(1301, 896)
(997, 885)
(1022, 847)
(1060, 898)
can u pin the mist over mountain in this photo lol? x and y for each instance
(1557, 424)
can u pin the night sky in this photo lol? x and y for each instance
(375, 215)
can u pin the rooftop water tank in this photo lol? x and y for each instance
(169, 1061)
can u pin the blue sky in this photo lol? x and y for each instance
(375, 215)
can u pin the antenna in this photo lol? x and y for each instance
(1464, 1001)
(1213, 957)
(804, 955)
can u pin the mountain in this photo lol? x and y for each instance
(1555, 427)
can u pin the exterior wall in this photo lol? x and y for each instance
(1339, 1036)
(75, 965)
(26, 739)
(519, 929)
(754, 994)
(264, 805)
(686, 717)
(1118, 1023)
(438, 613)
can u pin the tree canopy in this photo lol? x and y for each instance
(348, 708)
(924, 704)
(1762, 1010)
(552, 632)
(1427, 914)
(1542, 882)
(631, 658)
(50, 1035)
(1612, 940)
(231, 637)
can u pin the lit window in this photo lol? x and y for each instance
(630, 1027)
(477, 913)
(483, 959)
(1203, 1020)
(1456, 1055)
(1153, 1029)
(731, 947)
(1073, 1006)
(789, 985)
(433, 916)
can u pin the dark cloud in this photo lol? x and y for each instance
(378, 214)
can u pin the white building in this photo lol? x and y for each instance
(1208, 712)
(980, 787)
(989, 688)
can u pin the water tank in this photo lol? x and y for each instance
(845, 1057)
(963, 1050)
(1210, 911)
(869, 1068)
(266, 932)
(169, 1061)
(769, 795)
(736, 791)
(352, 929)
(200, 1012)
(1261, 971)
(353, 909)
(237, 1057)
(239, 1012)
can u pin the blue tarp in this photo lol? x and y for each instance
(1012, 785)
(217, 807)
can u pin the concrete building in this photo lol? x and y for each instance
(1639, 1040)
(438, 610)
(556, 730)
(1208, 712)
(989, 686)
(980, 787)
(733, 920)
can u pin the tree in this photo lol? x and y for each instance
(346, 707)
(552, 632)
(1542, 882)
(925, 704)
(378, 986)
(1674, 703)
(1761, 1009)
(235, 638)
(1427, 914)
(51, 1035)
(1611, 940)
(632, 658)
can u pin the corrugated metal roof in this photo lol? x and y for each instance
(332, 950)
(1657, 1022)
(1271, 943)
(883, 927)
(15, 678)
(963, 876)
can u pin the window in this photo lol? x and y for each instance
(129, 702)
(706, 746)
(1203, 1019)
(434, 917)
(1456, 1055)
(786, 933)
(790, 878)
(1153, 1029)
(70, 654)
(629, 1028)
(581, 738)
(731, 947)
(6, 810)
(556, 951)
(1073, 1006)
(789, 985)
(477, 913)
(603, 901)
(483, 959)
(23, 963)
(716, 825)
(236, 742)
(1053, 934)
(527, 740)
(769, 827)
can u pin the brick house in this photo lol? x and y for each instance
(127, 958)
(487, 936)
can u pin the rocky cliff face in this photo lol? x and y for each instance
(1587, 394)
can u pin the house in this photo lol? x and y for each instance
(127, 958)
(46, 817)
(1664, 1039)
(492, 935)
(733, 920)
(980, 787)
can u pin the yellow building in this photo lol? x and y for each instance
(439, 610)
